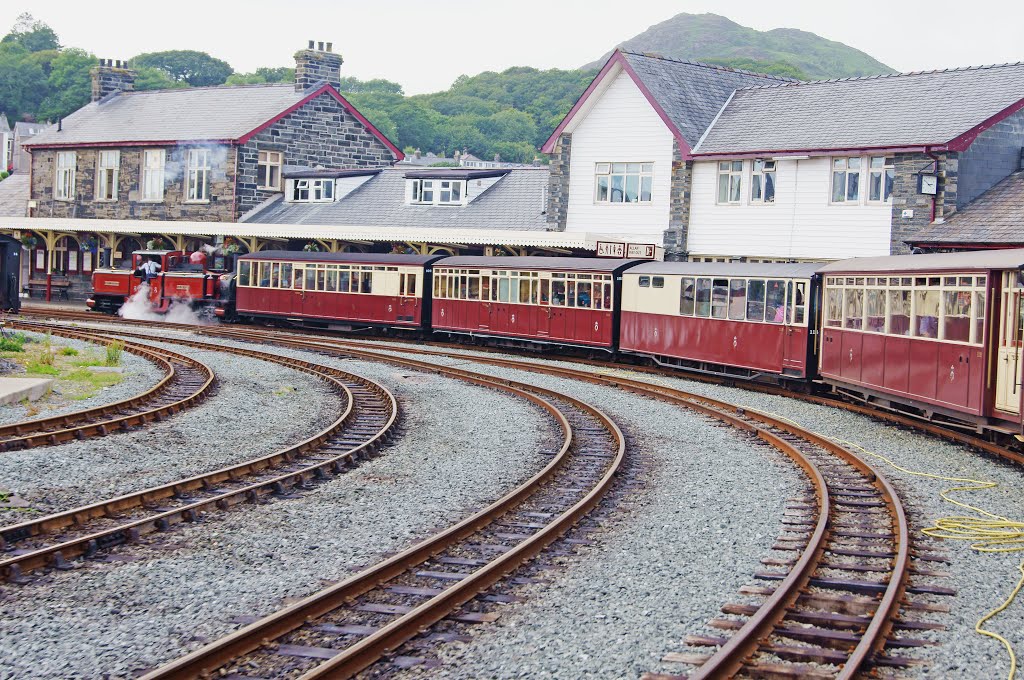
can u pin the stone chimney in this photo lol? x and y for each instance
(111, 76)
(317, 63)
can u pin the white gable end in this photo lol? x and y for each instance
(620, 127)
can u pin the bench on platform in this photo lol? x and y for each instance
(59, 287)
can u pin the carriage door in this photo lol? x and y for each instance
(794, 356)
(1011, 330)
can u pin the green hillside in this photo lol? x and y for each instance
(710, 37)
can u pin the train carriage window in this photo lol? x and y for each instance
(503, 284)
(299, 276)
(687, 299)
(534, 290)
(719, 298)
(524, 291)
(545, 291)
(344, 284)
(485, 287)
(755, 299)
(926, 314)
(558, 293)
(607, 296)
(583, 298)
(775, 301)
(966, 281)
(570, 294)
(899, 312)
(366, 282)
(645, 281)
(978, 313)
(956, 320)
(474, 287)
(332, 279)
(738, 299)
(275, 275)
(463, 287)
(443, 287)
(798, 302)
(853, 308)
(834, 307)
(243, 273)
(264, 274)
(286, 275)
(321, 278)
(875, 306)
(310, 278)
(704, 297)
(658, 282)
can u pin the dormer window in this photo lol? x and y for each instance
(313, 190)
(438, 191)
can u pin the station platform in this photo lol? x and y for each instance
(13, 390)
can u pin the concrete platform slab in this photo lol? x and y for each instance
(15, 389)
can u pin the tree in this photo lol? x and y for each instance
(69, 84)
(22, 82)
(150, 78)
(351, 84)
(264, 74)
(509, 126)
(198, 69)
(32, 35)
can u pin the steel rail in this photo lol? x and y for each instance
(96, 421)
(934, 429)
(15, 566)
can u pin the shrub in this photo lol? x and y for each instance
(46, 355)
(12, 343)
(69, 351)
(114, 351)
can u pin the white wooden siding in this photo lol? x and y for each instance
(621, 126)
(800, 224)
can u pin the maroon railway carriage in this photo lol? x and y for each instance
(750, 320)
(539, 300)
(336, 290)
(938, 335)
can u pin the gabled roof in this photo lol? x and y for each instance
(14, 195)
(994, 218)
(944, 109)
(516, 201)
(686, 94)
(199, 114)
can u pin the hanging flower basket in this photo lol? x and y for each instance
(29, 241)
(231, 248)
(88, 243)
(311, 248)
(155, 244)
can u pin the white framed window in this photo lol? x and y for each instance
(623, 182)
(846, 180)
(881, 173)
(762, 181)
(107, 165)
(268, 170)
(730, 180)
(197, 178)
(153, 161)
(313, 190)
(438, 191)
(64, 185)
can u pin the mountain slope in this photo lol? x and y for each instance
(710, 36)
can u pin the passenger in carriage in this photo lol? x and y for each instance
(776, 311)
(583, 299)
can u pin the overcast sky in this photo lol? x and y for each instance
(425, 45)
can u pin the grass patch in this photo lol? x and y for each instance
(41, 368)
(83, 363)
(114, 352)
(13, 343)
(68, 352)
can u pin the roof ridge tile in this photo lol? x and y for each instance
(702, 64)
(879, 76)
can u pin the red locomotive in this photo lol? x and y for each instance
(179, 279)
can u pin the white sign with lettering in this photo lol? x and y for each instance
(611, 249)
(641, 251)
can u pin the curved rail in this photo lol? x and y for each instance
(186, 382)
(368, 405)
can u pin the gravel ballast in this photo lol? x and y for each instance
(257, 408)
(139, 376)
(120, 617)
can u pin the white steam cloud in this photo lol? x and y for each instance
(139, 308)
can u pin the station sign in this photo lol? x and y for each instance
(641, 251)
(611, 249)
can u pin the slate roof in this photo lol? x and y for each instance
(192, 114)
(996, 217)
(900, 110)
(14, 195)
(692, 93)
(1008, 258)
(513, 202)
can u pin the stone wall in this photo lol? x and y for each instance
(679, 206)
(314, 66)
(558, 184)
(994, 154)
(905, 196)
(321, 133)
(108, 78)
(128, 205)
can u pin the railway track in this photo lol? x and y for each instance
(186, 382)
(369, 416)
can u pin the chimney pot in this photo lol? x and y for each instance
(310, 44)
(330, 47)
(320, 46)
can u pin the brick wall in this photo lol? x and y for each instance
(320, 133)
(128, 205)
(994, 154)
(679, 206)
(558, 184)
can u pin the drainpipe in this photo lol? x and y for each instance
(234, 185)
(935, 198)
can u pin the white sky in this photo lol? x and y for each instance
(426, 44)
